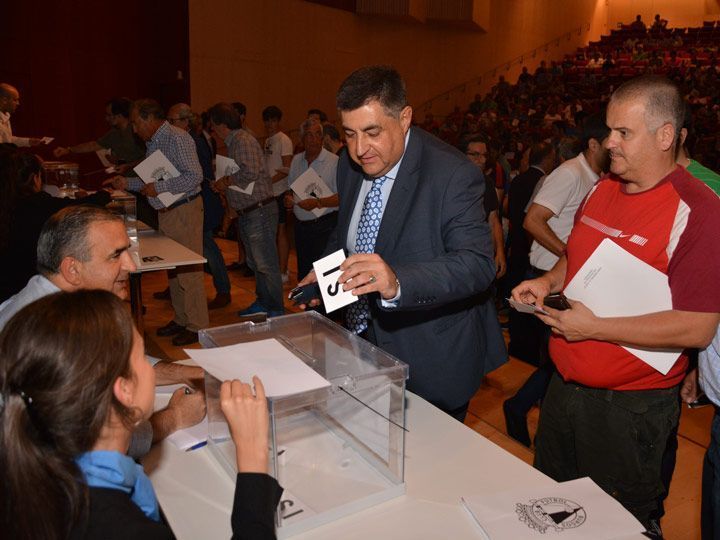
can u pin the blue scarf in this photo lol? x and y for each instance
(110, 469)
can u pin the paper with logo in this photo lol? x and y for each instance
(327, 271)
(309, 185)
(572, 510)
(157, 167)
(225, 166)
(615, 283)
(281, 371)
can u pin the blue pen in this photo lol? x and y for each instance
(196, 446)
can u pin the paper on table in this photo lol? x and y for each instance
(328, 271)
(308, 185)
(282, 372)
(615, 283)
(182, 438)
(578, 509)
(157, 167)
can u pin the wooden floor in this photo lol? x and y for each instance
(682, 520)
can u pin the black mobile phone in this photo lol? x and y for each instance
(556, 301)
(303, 295)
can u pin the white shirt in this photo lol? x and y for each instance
(277, 146)
(6, 135)
(561, 192)
(325, 165)
(37, 287)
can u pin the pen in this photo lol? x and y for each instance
(196, 446)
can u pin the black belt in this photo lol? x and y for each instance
(322, 218)
(255, 206)
(180, 202)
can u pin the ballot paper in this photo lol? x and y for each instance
(102, 155)
(225, 166)
(615, 283)
(525, 308)
(281, 371)
(309, 185)
(328, 271)
(572, 510)
(157, 167)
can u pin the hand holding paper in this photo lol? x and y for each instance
(158, 167)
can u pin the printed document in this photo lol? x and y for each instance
(157, 167)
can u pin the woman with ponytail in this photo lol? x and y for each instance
(73, 383)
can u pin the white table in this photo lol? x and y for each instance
(155, 251)
(444, 461)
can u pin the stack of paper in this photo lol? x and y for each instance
(578, 509)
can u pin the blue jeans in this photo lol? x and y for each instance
(710, 512)
(256, 230)
(216, 263)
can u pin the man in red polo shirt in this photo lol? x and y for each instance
(608, 414)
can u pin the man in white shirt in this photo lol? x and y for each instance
(315, 217)
(9, 102)
(278, 153)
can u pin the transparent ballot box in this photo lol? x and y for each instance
(334, 450)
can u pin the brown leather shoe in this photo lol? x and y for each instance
(220, 301)
(170, 329)
(186, 337)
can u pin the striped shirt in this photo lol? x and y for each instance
(179, 148)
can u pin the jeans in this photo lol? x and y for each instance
(257, 230)
(216, 263)
(710, 509)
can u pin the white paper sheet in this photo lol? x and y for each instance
(225, 166)
(157, 167)
(102, 155)
(309, 185)
(327, 271)
(615, 283)
(281, 371)
(525, 308)
(572, 510)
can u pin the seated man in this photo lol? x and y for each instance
(84, 247)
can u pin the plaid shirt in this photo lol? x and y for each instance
(179, 147)
(247, 153)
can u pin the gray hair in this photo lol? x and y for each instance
(65, 234)
(662, 99)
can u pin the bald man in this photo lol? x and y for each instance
(9, 102)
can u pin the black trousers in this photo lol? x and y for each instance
(310, 240)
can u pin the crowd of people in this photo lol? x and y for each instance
(526, 184)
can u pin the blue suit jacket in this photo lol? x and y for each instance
(434, 236)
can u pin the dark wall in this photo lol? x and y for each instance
(69, 57)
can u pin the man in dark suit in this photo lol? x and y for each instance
(421, 258)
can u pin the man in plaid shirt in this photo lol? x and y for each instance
(249, 191)
(182, 221)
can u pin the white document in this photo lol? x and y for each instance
(328, 271)
(157, 167)
(309, 185)
(225, 166)
(47, 140)
(572, 510)
(102, 155)
(615, 283)
(282, 372)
